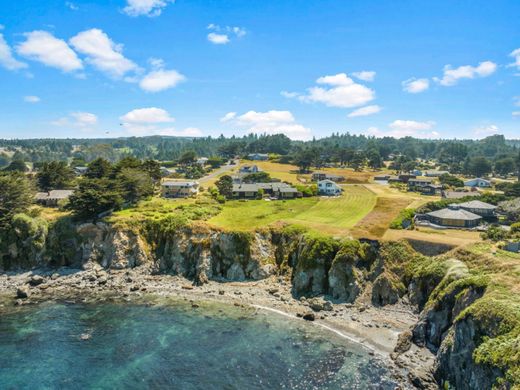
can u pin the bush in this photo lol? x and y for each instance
(403, 220)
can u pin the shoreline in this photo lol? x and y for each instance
(374, 329)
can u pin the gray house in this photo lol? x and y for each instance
(454, 216)
(480, 208)
(52, 198)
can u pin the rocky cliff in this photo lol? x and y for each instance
(443, 289)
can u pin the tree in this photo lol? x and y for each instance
(16, 166)
(450, 180)
(188, 157)
(215, 162)
(98, 169)
(479, 166)
(374, 159)
(358, 161)
(16, 195)
(54, 175)
(258, 177)
(505, 166)
(304, 159)
(93, 197)
(153, 168)
(225, 186)
(135, 184)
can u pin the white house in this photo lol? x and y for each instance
(478, 182)
(328, 187)
(179, 189)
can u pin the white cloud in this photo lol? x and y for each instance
(414, 85)
(289, 94)
(229, 116)
(365, 75)
(102, 52)
(160, 80)
(222, 35)
(70, 5)
(516, 55)
(44, 47)
(218, 39)
(272, 122)
(484, 131)
(31, 99)
(517, 101)
(452, 76)
(153, 121)
(516, 113)
(365, 111)
(343, 92)
(6, 56)
(147, 115)
(77, 119)
(150, 8)
(409, 128)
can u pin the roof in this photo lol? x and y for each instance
(477, 178)
(288, 189)
(326, 181)
(425, 179)
(459, 194)
(245, 187)
(253, 187)
(54, 194)
(460, 214)
(179, 183)
(477, 204)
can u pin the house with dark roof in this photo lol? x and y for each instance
(254, 190)
(258, 156)
(318, 176)
(418, 183)
(52, 198)
(453, 216)
(247, 169)
(480, 208)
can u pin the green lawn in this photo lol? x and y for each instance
(328, 215)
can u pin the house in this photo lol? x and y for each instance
(247, 169)
(480, 208)
(80, 171)
(458, 194)
(417, 183)
(179, 189)
(416, 172)
(328, 187)
(258, 156)
(275, 190)
(454, 216)
(381, 177)
(478, 182)
(431, 189)
(318, 176)
(167, 171)
(435, 173)
(201, 161)
(52, 198)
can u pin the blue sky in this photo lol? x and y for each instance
(431, 69)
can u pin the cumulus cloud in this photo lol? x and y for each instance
(365, 75)
(70, 5)
(271, 122)
(516, 55)
(147, 115)
(516, 113)
(339, 91)
(160, 80)
(485, 131)
(410, 128)
(77, 119)
(150, 8)
(414, 85)
(154, 121)
(228, 117)
(44, 47)
(365, 111)
(102, 52)
(222, 35)
(6, 56)
(289, 94)
(452, 76)
(31, 99)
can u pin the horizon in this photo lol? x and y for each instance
(132, 68)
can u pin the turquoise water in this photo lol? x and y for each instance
(175, 347)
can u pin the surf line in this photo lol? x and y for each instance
(330, 329)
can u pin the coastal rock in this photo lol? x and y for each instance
(22, 293)
(387, 289)
(309, 317)
(404, 342)
(36, 280)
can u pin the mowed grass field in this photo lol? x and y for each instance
(331, 215)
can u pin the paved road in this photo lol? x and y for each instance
(218, 172)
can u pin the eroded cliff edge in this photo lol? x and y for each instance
(471, 325)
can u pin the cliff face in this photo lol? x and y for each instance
(441, 291)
